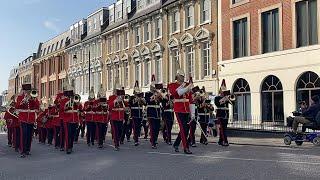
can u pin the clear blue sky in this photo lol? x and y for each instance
(26, 23)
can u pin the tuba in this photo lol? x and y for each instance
(77, 98)
(34, 93)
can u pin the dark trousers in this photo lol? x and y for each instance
(204, 127)
(57, 136)
(101, 129)
(42, 135)
(91, 132)
(16, 138)
(10, 135)
(25, 137)
(223, 138)
(192, 137)
(77, 133)
(62, 135)
(126, 130)
(116, 132)
(70, 134)
(183, 120)
(154, 130)
(82, 129)
(145, 128)
(105, 131)
(50, 135)
(167, 129)
(136, 126)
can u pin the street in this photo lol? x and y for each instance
(207, 162)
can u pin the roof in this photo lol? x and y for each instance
(146, 12)
(168, 2)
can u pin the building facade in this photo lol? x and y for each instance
(13, 82)
(86, 43)
(269, 56)
(158, 38)
(49, 69)
(117, 48)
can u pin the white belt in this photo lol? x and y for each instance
(168, 110)
(72, 111)
(101, 112)
(203, 114)
(140, 108)
(153, 106)
(117, 109)
(28, 111)
(223, 108)
(180, 100)
(90, 112)
(55, 116)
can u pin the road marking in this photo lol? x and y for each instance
(239, 159)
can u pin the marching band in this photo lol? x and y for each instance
(59, 123)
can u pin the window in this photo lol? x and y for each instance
(126, 39)
(139, 4)
(158, 26)
(270, 31)
(101, 19)
(57, 46)
(148, 2)
(138, 72)
(118, 42)
(90, 26)
(272, 100)
(146, 32)
(137, 35)
(44, 52)
(308, 85)
(174, 63)
(109, 45)
(236, 1)
(306, 23)
(110, 82)
(206, 58)
(242, 105)
(205, 6)
(95, 23)
(190, 61)
(158, 69)
(61, 44)
(240, 38)
(48, 50)
(147, 72)
(111, 14)
(175, 22)
(189, 17)
(126, 74)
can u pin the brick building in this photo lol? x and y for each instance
(269, 55)
(49, 69)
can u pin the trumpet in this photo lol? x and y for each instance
(229, 98)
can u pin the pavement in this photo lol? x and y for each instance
(241, 160)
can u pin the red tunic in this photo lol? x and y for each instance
(11, 118)
(116, 113)
(89, 112)
(27, 111)
(51, 113)
(101, 113)
(72, 114)
(181, 103)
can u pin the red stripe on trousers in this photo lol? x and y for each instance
(182, 134)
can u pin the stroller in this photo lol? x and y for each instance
(300, 138)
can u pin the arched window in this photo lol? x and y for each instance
(308, 85)
(272, 100)
(242, 106)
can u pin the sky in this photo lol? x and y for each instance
(26, 23)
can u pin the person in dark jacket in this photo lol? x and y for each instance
(308, 115)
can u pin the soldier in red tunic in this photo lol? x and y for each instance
(56, 120)
(181, 93)
(101, 117)
(116, 109)
(28, 106)
(89, 118)
(71, 119)
(11, 119)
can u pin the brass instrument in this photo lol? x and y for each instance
(74, 100)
